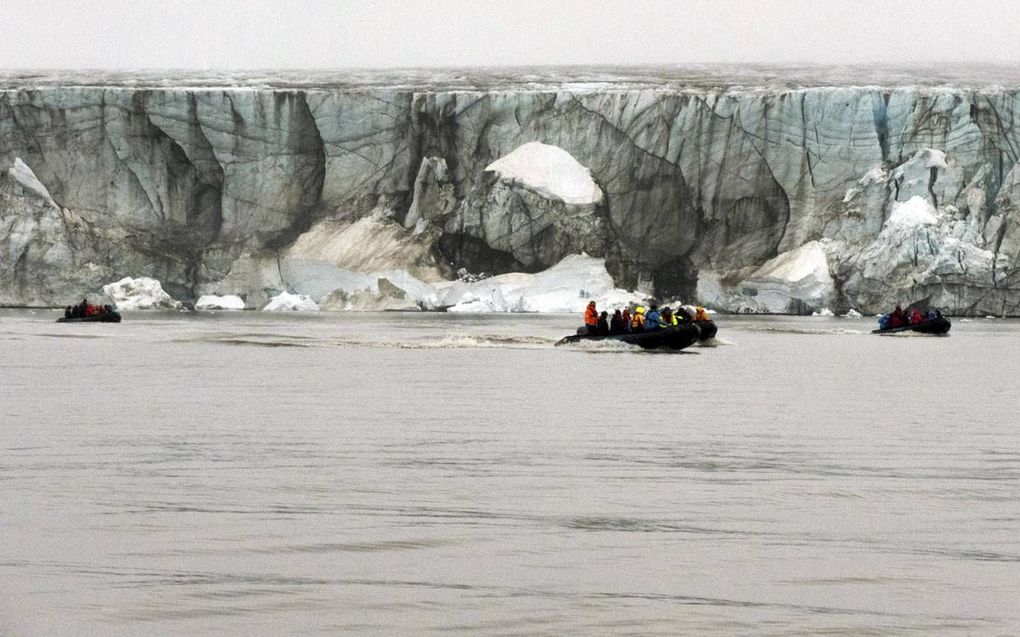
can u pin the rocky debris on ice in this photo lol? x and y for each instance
(285, 301)
(370, 265)
(213, 302)
(549, 171)
(372, 244)
(142, 293)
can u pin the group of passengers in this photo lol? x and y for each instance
(86, 310)
(628, 321)
(902, 318)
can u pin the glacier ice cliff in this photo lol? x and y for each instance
(741, 190)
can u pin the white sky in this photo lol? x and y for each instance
(383, 33)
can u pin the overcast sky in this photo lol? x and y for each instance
(380, 33)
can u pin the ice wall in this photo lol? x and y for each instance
(700, 185)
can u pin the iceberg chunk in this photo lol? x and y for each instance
(285, 301)
(213, 302)
(142, 293)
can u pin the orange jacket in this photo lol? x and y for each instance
(591, 316)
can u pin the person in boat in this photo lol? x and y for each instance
(637, 322)
(915, 317)
(625, 318)
(668, 319)
(616, 324)
(652, 318)
(700, 314)
(896, 318)
(682, 314)
(602, 327)
(591, 319)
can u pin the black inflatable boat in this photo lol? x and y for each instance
(677, 337)
(708, 329)
(105, 317)
(936, 326)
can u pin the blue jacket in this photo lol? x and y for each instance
(652, 320)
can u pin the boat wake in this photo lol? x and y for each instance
(607, 346)
(450, 341)
(811, 332)
(472, 341)
(715, 341)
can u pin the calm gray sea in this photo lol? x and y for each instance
(245, 473)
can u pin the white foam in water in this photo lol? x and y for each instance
(603, 346)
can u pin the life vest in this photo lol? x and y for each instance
(591, 317)
(637, 321)
(700, 315)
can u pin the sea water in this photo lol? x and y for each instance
(252, 473)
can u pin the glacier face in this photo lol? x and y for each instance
(707, 186)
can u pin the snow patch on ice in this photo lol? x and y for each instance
(285, 301)
(213, 302)
(916, 211)
(550, 171)
(142, 293)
